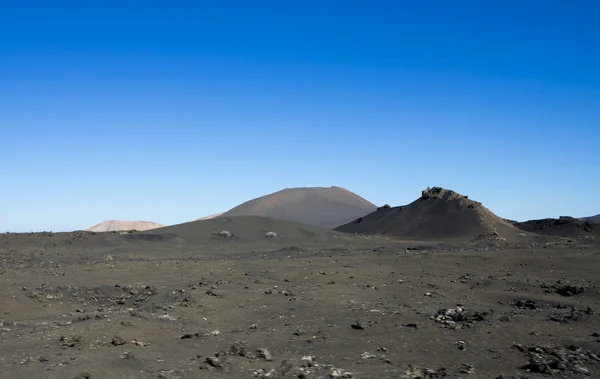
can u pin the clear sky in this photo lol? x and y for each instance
(167, 111)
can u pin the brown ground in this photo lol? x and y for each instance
(318, 206)
(183, 302)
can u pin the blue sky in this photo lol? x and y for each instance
(168, 111)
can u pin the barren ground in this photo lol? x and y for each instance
(103, 306)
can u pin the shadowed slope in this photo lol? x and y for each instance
(317, 206)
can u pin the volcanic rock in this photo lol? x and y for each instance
(438, 213)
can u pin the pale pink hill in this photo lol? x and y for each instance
(118, 225)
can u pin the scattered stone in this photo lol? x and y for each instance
(337, 373)
(214, 362)
(281, 371)
(466, 369)
(554, 359)
(415, 372)
(83, 375)
(462, 345)
(188, 336)
(566, 290)
(170, 374)
(564, 315)
(525, 304)
(284, 368)
(128, 355)
(238, 348)
(118, 341)
(225, 234)
(82, 318)
(264, 354)
(271, 235)
(367, 355)
(357, 325)
(67, 342)
(264, 374)
(167, 317)
(455, 318)
(569, 290)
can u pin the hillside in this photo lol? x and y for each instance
(563, 226)
(438, 214)
(209, 217)
(118, 225)
(595, 219)
(316, 206)
(254, 230)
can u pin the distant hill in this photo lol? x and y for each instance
(563, 226)
(316, 206)
(117, 225)
(595, 219)
(438, 214)
(209, 217)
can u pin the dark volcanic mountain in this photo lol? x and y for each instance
(438, 213)
(316, 206)
(594, 219)
(563, 227)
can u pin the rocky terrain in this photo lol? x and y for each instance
(316, 206)
(252, 297)
(119, 225)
